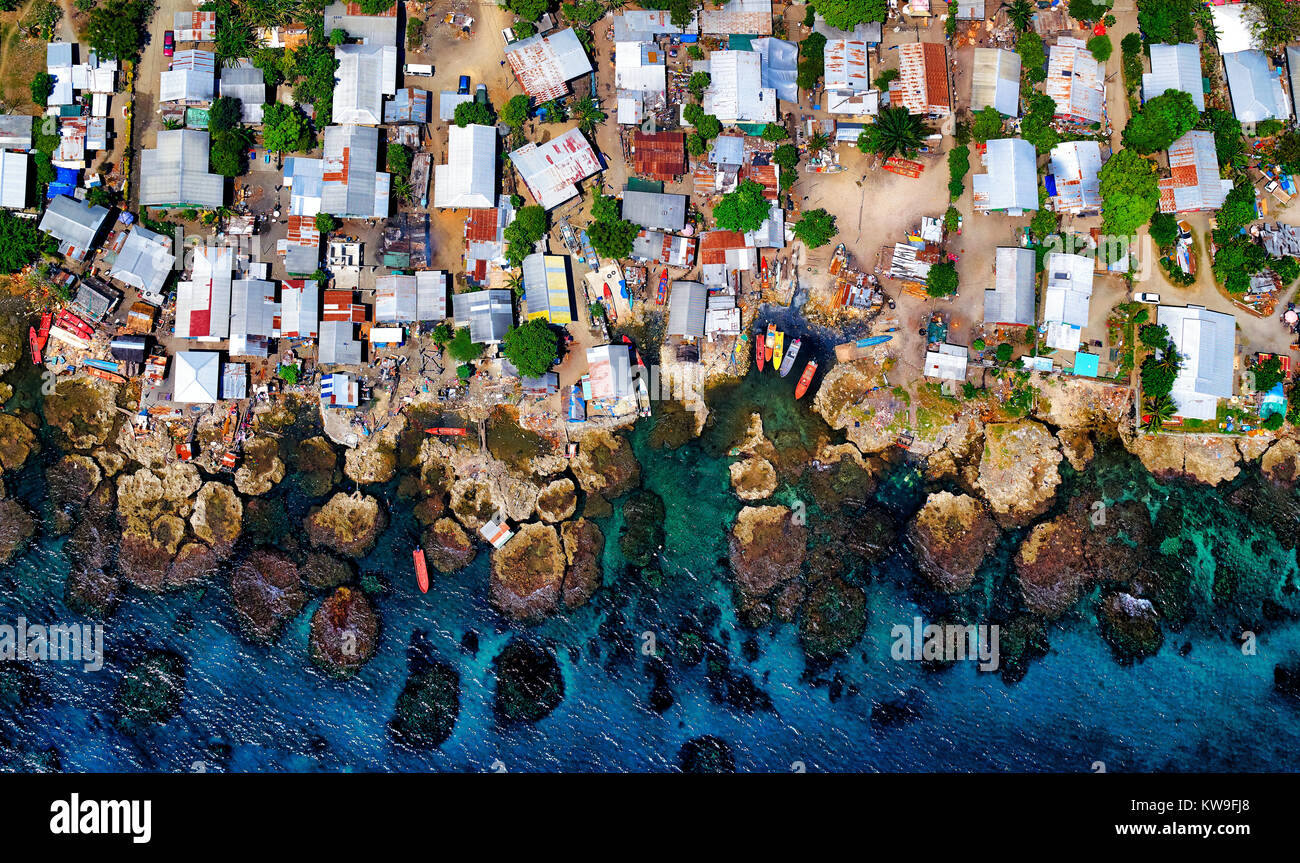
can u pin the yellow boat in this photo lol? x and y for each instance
(777, 349)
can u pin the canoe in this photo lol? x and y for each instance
(39, 338)
(769, 344)
(778, 350)
(104, 375)
(446, 432)
(421, 570)
(874, 340)
(805, 379)
(788, 363)
(663, 287)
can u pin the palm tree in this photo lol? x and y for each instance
(515, 282)
(1020, 12)
(818, 141)
(1169, 360)
(1160, 410)
(896, 132)
(587, 113)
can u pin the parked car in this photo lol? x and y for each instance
(1146, 297)
(169, 43)
(463, 89)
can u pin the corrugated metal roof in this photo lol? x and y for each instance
(338, 343)
(299, 309)
(1011, 183)
(13, 179)
(378, 29)
(366, 74)
(845, 65)
(144, 261)
(735, 93)
(655, 210)
(197, 377)
(253, 312)
(488, 314)
(610, 367)
(1011, 299)
(639, 66)
(431, 295)
(545, 64)
(923, 78)
(1175, 67)
(15, 131)
(750, 17)
(552, 170)
(1255, 88)
(1075, 166)
(395, 299)
(1194, 182)
(1076, 81)
(687, 304)
(1066, 299)
(546, 288)
(203, 302)
(75, 224)
(996, 81)
(351, 187)
(1206, 341)
(659, 156)
(469, 179)
(245, 83)
(176, 171)
(408, 105)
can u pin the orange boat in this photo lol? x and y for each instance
(769, 344)
(758, 351)
(446, 432)
(39, 338)
(805, 379)
(421, 570)
(103, 374)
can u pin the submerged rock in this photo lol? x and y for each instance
(834, 619)
(193, 562)
(753, 478)
(325, 572)
(261, 468)
(150, 692)
(447, 548)
(1018, 470)
(706, 754)
(16, 529)
(17, 442)
(346, 524)
(1130, 626)
(951, 537)
(642, 536)
(606, 464)
(266, 591)
(528, 573)
(767, 551)
(529, 682)
(427, 707)
(1052, 567)
(344, 632)
(316, 465)
(583, 546)
(71, 480)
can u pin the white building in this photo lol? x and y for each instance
(197, 377)
(1207, 342)
(469, 179)
(947, 363)
(736, 93)
(552, 170)
(1066, 300)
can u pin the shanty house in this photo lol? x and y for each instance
(75, 224)
(922, 82)
(1066, 299)
(488, 314)
(640, 77)
(13, 179)
(1255, 87)
(1011, 183)
(747, 17)
(253, 313)
(245, 82)
(1076, 82)
(610, 370)
(299, 309)
(847, 80)
(143, 260)
(544, 65)
(659, 155)
(687, 304)
(1073, 182)
(1011, 299)
(1175, 67)
(552, 170)
(191, 78)
(655, 210)
(1193, 183)
(469, 179)
(338, 343)
(996, 81)
(175, 172)
(203, 301)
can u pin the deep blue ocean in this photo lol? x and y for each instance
(250, 707)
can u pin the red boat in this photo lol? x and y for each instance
(609, 301)
(805, 379)
(769, 345)
(663, 287)
(421, 571)
(446, 432)
(104, 374)
(758, 350)
(73, 324)
(636, 355)
(39, 338)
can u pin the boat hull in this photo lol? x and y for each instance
(787, 364)
(805, 379)
(421, 570)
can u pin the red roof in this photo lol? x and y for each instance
(659, 156)
(481, 226)
(714, 245)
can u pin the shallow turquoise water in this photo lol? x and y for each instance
(249, 707)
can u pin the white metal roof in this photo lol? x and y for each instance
(1206, 341)
(1075, 166)
(996, 81)
(366, 74)
(176, 171)
(639, 66)
(1011, 299)
(144, 261)
(469, 178)
(253, 311)
(203, 302)
(735, 93)
(13, 179)
(1066, 299)
(1255, 87)
(552, 170)
(947, 363)
(1011, 183)
(300, 308)
(1175, 67)
(197, 377)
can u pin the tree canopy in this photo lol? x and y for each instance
(116, 28)
(1160, 122)
(942, 280)
(531, 347)
(522, 234)
(21, 242)
(1129, 193)
(847, 14)
(1273, 22)
(896, 132)
(745, 209)
(816, 228)
(286, 129)
(1169, 21)
(988, 124)
(473, 114)
(515, 113)
(463, 348)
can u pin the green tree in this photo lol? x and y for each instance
(786, 157)
(1086, 10)
(515, 113)
(1159, 410)
(531, 347)
(1273, 22)
(528, 10)
(522, 234)
(1168, 21)
(743, 210)
(1033, 57)
(774, 132)
(463, 348)
(1268, 374)
(987, 125)
(847, 14)
(812, 58)
(1160, 122)
(326, 224)
(224, 115)
(816, 228)
(115, 28)
(42, 87)
(587, 113)
(473, 114)
(1131, 43)
(286, 129)
(1021, 14)
(1238, 210)
(942, 280)
(337, 37)
(1129, 193)
(1100, 48)
(1003, 352)
(1164, 229)
(443, 334)
(21, 242)
(1236, 260)
(895, 133)
(1228, 144)
(1036, 126)
(414, 32)
(698, 83)
(1153, 336)
(958, 167)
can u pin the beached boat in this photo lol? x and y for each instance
(421, 570)
(40, 337)
(769, 343)
(788, 363)
(642, 396)
(446, 432)
(74, 324)
(778, 350)
(609, 303)
(805, 379)
(839, 259)
(103, 374)
(105, 365)
(758, 350)
(663, 287)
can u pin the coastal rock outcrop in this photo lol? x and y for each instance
(83, 412)
(261, 467)
(767, 550)
(583, 546)
(951, 536)
(346, 524)
(1018, 470)
(266, 591)
(17, 442)
(1076, 446)
(316, 466)
(557, 500)
(374, 462)
(344, 632)
(1130, 626)
(194, 561)
(447, 547)
(753, 478)
(16, 529)
(71, 480)
(1281, 463)
(606, 464)
(324, 571)
(834, 619)
(1210, 459)
(427, 707)
(218, 515)
(471, 502)
(1052, 567)
(528, 573)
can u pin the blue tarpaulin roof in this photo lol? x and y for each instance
(1086, 364)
